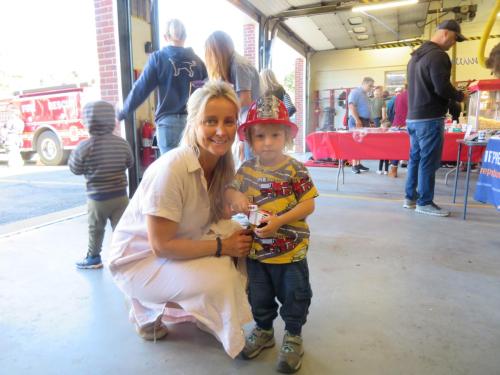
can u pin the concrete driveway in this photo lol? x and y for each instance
(35, 191)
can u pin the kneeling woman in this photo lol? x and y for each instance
(161, 257)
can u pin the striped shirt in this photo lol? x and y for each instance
(103, 158)
(277, 190)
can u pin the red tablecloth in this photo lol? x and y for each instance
(377, 146)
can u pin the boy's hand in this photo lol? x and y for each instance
(273, 223)
(239, 202)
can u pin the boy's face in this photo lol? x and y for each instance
(268, 143)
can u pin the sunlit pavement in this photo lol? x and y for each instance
(35, 194)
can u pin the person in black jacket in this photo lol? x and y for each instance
(429, 92)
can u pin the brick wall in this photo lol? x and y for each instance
(249, 42)
(107, 50)
(299, 104)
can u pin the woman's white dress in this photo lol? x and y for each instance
(210, 290)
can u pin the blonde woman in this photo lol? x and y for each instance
(160, 258)
(223, 62)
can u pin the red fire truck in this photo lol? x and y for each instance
(52, 121)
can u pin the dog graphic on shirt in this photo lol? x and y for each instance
(183, 65)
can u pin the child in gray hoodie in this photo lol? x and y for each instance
(103, 159)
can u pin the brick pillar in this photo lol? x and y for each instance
(299, 104)
(107, 50)
(249, 42)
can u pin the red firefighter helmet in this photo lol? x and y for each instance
(267, 110)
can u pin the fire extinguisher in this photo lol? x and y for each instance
(147, 152)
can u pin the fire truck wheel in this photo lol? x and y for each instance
(27, 155)
(50, 149)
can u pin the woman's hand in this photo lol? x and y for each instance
(273, 223)
(238, 244)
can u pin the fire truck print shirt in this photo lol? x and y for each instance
(277, 190)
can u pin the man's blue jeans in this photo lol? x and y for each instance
(426, 145)
(169, 132)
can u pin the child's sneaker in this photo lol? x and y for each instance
(290, 358)
(256, 341)
(379, 172)
(90, 262)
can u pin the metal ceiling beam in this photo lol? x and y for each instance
(413, 42)
(314, 10)
(292, 39)
(249, 9)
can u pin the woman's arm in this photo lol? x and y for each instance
(164, 243)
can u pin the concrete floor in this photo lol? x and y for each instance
(394, 293)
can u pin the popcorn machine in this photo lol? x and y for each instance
(484, 105)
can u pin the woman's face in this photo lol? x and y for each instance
(217, 127)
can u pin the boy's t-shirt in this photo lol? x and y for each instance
(278, 189)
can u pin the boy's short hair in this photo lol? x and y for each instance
(367, 80)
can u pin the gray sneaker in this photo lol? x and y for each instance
(256, 341)
(290, 358)
(432, 209)
(410, 203)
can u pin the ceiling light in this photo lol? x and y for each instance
(359, 29)
(362, 37)
(379, 6)
(355, 20)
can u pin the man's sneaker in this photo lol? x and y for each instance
(409, 203)
(290, 357)
(152, 331)
(90, 262)
(362, 168)
(355, 169)
(432, 209)
(256, 341)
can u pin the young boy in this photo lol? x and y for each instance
(103, 159)
(277, 265)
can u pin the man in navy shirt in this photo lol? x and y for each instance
(172, 70)
(359, 113)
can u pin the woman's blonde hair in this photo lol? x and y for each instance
(219, 50)
(223, 172)
(269, 81)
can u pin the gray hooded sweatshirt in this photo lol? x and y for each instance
(103, 158)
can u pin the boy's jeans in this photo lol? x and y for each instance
(98, 214)
(287, 282)
(169, 132)
(426, 145)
